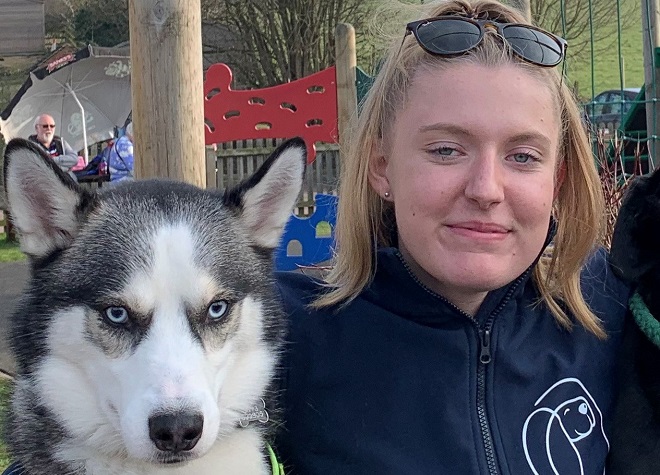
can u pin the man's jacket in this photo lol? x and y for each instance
(60, 151)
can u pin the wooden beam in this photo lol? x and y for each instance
(167, 89)
(211, 164)
(346, 61)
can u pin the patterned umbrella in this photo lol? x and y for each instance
(88, 93)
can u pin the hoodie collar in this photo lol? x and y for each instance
(396, 288)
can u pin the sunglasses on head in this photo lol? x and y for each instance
(452, 36)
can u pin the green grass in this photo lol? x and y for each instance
(9, 251)
(5, 386)
(606, 73)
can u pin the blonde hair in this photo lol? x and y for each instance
(365, 222)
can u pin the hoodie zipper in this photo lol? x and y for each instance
(484, 335)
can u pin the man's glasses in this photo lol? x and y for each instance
(47, 126)
(452, 36)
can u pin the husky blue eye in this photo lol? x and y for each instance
(117, 315)
(218, 309)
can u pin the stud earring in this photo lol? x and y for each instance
(387, 194)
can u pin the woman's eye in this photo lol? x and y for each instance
(523, 157)
(445, 151)
(116, 315)
(218, 309)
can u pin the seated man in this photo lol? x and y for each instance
(60, 151)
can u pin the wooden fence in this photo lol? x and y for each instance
(235, 161)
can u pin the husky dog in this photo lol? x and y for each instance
(635, 255)
(148, 335)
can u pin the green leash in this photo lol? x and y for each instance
(278, 468)
(645, 321)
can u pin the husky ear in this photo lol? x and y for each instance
(634, 250)
(45, 203)
(265, 201)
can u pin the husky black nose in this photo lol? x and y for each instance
(176, 432)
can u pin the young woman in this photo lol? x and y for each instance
(470, 325)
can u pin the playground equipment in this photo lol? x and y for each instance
(317, 108)
(633, 134)
(634, 140)
(306, 108)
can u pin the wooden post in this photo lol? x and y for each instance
(346, 61)
(524, 7)
(167, 89)
(10, 231)
(211, 164)
(651, 40)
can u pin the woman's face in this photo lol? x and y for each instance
(470, 166)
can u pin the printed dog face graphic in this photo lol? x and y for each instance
(566, 417)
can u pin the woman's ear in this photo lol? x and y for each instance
(378, 171)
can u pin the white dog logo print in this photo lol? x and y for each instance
(566, 425)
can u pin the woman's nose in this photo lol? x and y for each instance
(484, 183)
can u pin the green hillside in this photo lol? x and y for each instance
(606, 73)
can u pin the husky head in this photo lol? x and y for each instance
(149, 326)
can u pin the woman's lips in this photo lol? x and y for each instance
(478, 230)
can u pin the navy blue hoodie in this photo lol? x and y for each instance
(400, 381)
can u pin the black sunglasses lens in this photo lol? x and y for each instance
(448, 36)
(533, 45)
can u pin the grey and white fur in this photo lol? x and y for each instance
(150, 325)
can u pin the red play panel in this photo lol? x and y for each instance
(306, 108)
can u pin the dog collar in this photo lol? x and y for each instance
(278, 468)
(645, 321)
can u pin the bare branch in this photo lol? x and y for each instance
(274, 41)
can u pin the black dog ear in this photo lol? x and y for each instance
(635, 249)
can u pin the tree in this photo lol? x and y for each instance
(274, 41)
(102, 23)
(572, 20)
(79, 22)
(265, 41)
(60, 20)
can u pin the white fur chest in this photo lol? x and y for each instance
(238, 454)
